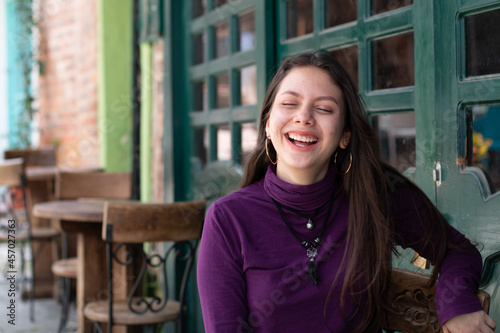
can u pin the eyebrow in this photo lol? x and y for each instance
(330, 98)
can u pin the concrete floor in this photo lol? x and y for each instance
(47, 310)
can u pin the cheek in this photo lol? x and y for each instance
(275, 122)
(335, 131)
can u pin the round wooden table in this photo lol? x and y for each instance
(85, 219)
(40, 184)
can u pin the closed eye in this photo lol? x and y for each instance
(324, 110)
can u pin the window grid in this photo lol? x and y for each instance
(358, 33)
(233, 114)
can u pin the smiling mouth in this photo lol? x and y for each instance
(300, 140)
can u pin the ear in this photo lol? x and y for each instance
(344, 141)
(267, 128)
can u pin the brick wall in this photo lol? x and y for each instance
(68, 86)
(157, 123)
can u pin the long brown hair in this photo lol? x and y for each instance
(370, 235)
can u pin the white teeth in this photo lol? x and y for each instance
(297, 137)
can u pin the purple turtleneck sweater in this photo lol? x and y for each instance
(253, 272)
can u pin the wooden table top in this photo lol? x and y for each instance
(71, 210)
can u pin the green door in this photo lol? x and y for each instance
(467, 131)
(427, 71)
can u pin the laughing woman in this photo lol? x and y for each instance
(306, 244)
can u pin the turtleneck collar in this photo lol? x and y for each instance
(300, 197)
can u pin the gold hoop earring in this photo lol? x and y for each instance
(348, 168)
(267, 152)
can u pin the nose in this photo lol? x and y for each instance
(304, 116)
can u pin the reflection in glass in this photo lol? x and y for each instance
(200, 140)
(299, 18)
(381, 6)
(218, 3)
(392, 62)
(339, 12)
(248, 85)
(200, 96)
(246, 23)
(222, 89)
(198, 48)
(396, 133)
(222, 40)
(199, 7)
(248, 139)
(223, 143)
(483, 141)
(348, 58)
(482, 43)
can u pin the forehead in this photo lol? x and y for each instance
(309, 80)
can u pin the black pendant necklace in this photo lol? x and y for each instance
(311, 247)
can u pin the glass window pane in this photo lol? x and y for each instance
(223, 143)
(199, 48)
(222, 91)
(340, 11)
(482, 43)
(393, 63)
(299, 18)
(248, 85)
(483, 141)
(348, 58)
(218, 3)
(200, 96)
(201, 146)
(222, 40)
(199, 7)
(246, 23)
(396, 133)
(248, 139)
(381, 6)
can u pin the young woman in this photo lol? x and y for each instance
(306, 244)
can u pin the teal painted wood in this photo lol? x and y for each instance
(4, 116)
(425, 95)
(462, 197)
(15, 84)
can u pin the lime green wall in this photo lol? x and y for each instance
(146, 121)
(115, 84)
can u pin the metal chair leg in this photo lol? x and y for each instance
(66, 289)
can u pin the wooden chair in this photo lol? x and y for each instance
(33, 157)
(12, 176)
(412, 307)
(37, 191)
(84, 186)
(132, 225)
